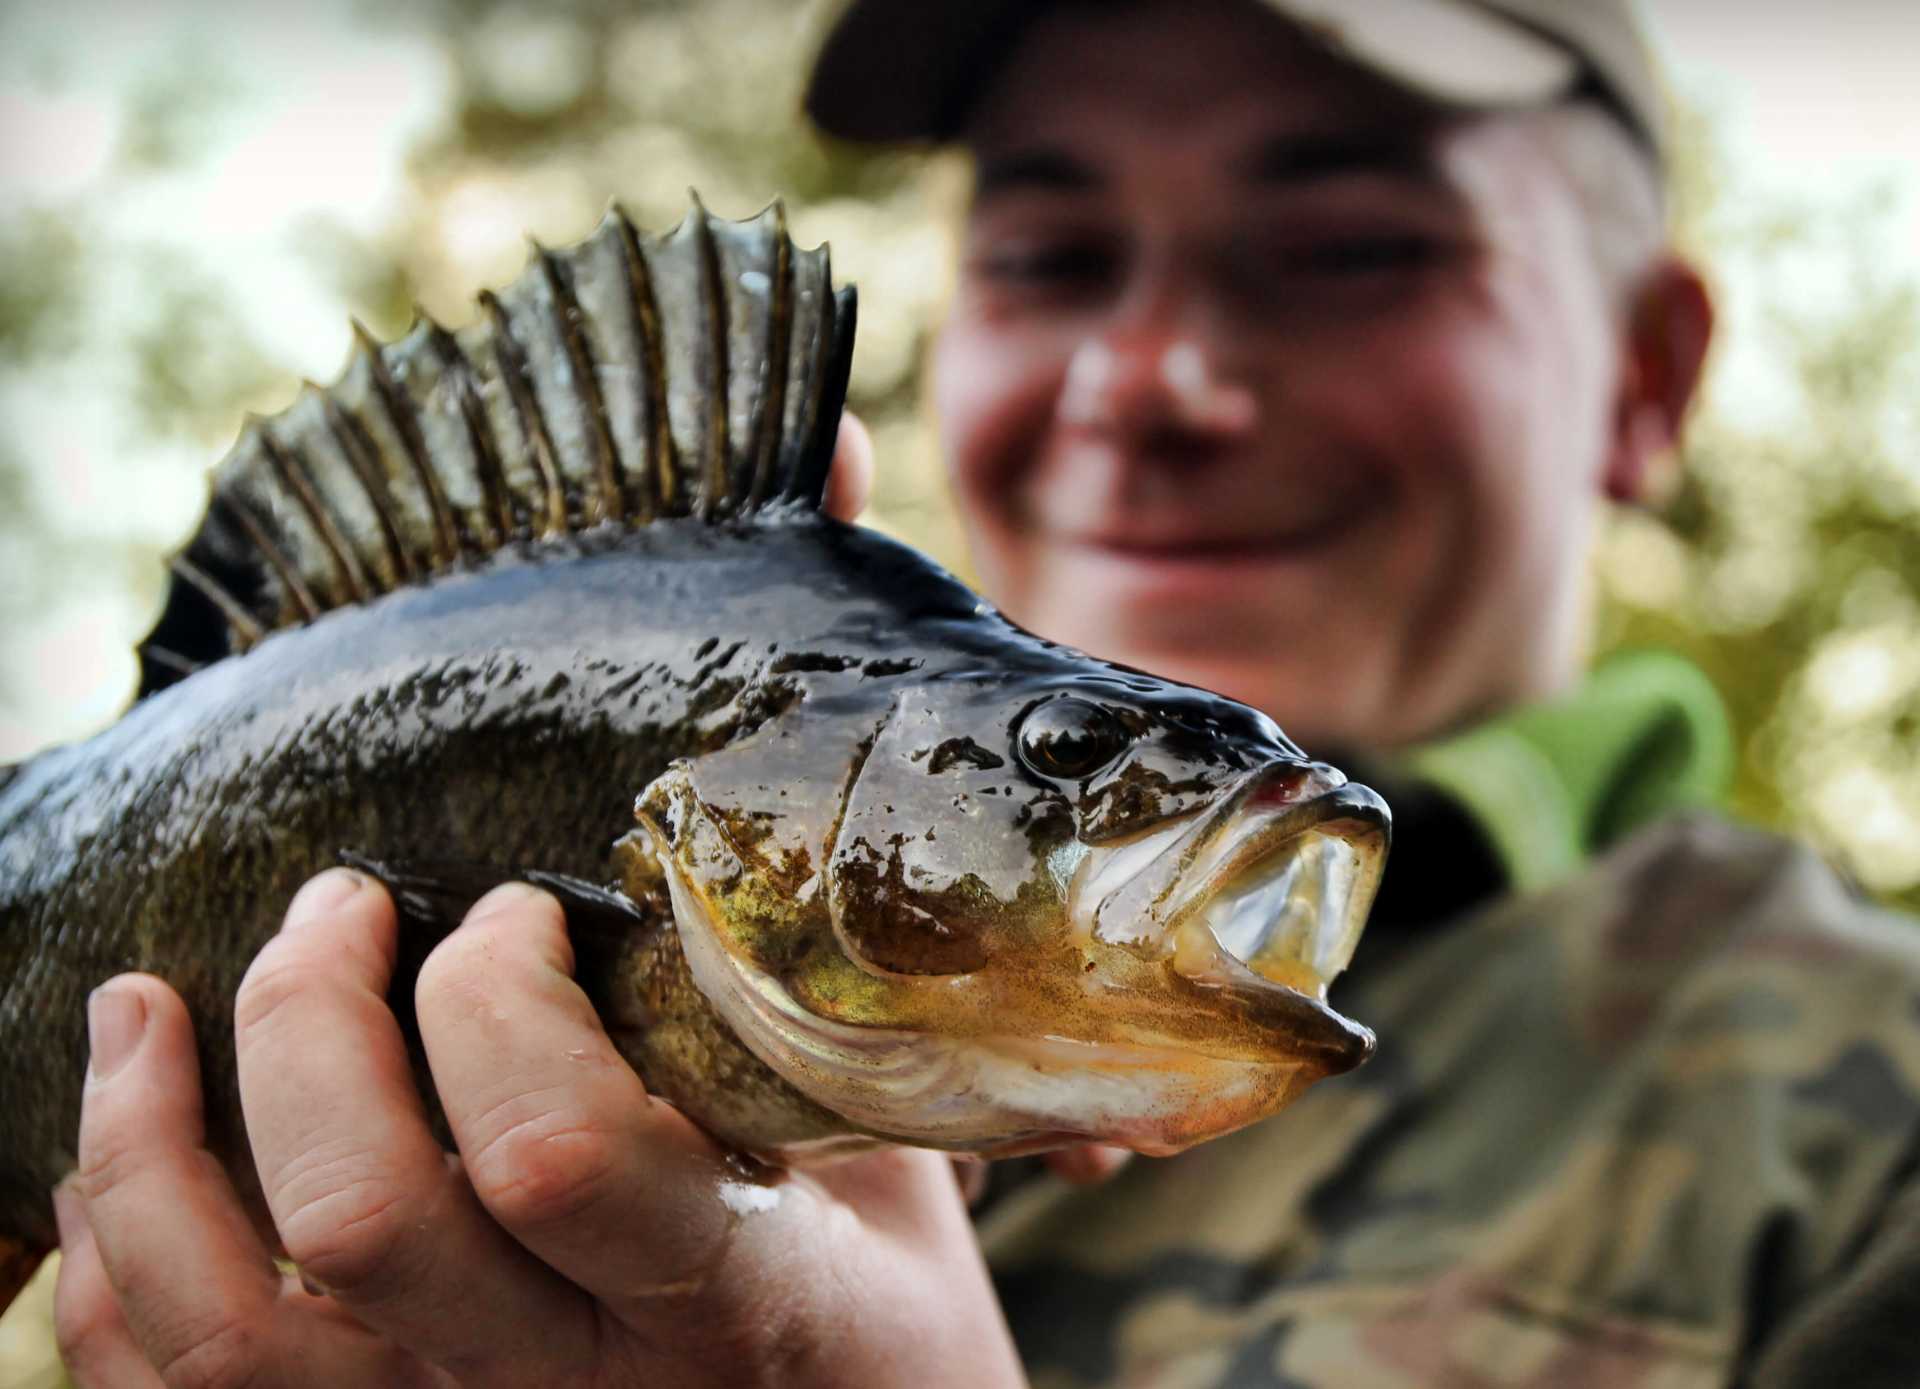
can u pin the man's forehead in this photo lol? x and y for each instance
(1273, 160)
(1085, 84)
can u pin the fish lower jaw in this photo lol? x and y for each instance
(1199, 956)
(1151, 1101)
(1001, 1096)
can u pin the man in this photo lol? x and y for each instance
(1292, 356)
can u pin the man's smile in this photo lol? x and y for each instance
(1215, 543)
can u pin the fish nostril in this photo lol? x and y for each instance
(1293, 783)
(1281, 789)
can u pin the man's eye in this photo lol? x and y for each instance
(1359, 255)
(1043, 265)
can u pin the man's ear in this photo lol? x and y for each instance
(1669, 327)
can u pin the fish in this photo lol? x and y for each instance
(848, 858)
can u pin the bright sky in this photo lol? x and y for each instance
(1815, 103)
(1819, 97)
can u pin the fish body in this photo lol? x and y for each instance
(848, 858)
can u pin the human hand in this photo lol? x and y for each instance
(584, 1234)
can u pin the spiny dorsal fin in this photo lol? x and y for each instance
(621, 380)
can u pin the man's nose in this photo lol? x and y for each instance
(1153, 370)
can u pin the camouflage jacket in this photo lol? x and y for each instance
(1656, 1125)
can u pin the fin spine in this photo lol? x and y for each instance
(353, 443)
(400, 410)
(513, 369)
(567, 314)
(773, 395)
(246, 627)
(291, 469)
(833, 368)
(170, 660)
(718, 498)
(257, 536)
(486, 453)
(662, 452)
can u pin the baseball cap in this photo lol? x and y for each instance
(905, 70)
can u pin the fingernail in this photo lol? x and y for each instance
(69, 1214)
(504, 898)
(115, 1020)
(321, 895)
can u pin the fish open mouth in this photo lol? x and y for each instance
(1272, 888)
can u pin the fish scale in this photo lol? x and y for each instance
(551, 596)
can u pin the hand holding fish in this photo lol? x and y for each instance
(587, 1233)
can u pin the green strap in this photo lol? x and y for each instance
(1645, 736)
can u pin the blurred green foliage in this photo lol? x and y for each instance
(1787, 560)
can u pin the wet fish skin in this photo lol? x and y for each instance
(506, 717)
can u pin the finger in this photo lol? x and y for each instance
(96, 1344)
(622, 1194)
(366, 1201)
(190, 1277)
(1087, 1164)
(191, 1294)
(970, 1175)
(850, 479)
(559, 1136)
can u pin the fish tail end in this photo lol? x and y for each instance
(18, 1263)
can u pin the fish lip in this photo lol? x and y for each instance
(1273, 845)
(1349, 811)
(1341, 808)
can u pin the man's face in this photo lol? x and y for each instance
(1263, 378)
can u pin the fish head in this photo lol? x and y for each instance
(1031, 909)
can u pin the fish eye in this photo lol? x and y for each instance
(1070, 738)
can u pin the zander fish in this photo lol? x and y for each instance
(847, 857)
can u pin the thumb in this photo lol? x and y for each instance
(850, 478)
